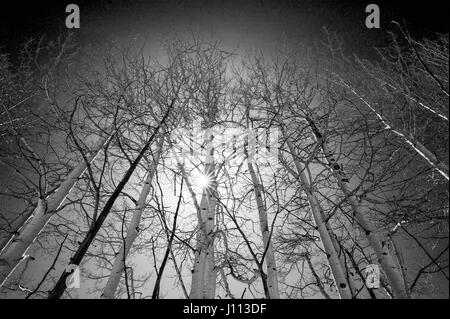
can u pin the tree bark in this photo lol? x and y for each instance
(16, 227)
(76, 259)
(322, 227)
(203, 284)
(271, 266)
(132, 233)
(418, 147)
(380, 248)
(18, 246)
(170, 237)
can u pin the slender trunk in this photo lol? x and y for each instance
(170, 237)
(408, 96)
(185, 177)
(76, 259)
(316, 277)
(380, 248)
(271, 266)
(420, 149)
(203, 285)
(178, 271)
(18, 246)
(15, 227)
(401, 262)
(225, 284)
(322, 227)
(341, 254)
(132, 233)
(351, 257)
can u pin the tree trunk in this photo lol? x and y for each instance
(271, 266)
(350, 277)
(170, 234)
(16, 227)
(203, 284)
(323, 228)
(18, 246)
(381, 249)
(316, 277)
(76, 259)
(420, 149)
(132, 233)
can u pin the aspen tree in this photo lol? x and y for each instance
(13, 253)
(76, 259)
(203, 284)
(322, 227)
(269, 256)
(381, 248)
(407, 138)
(132, 233)
(271, 265)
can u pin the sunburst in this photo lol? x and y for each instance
(203, 180)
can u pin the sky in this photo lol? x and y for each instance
(264, 24)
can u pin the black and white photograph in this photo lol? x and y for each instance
(221, 155)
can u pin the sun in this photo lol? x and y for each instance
(203, 180)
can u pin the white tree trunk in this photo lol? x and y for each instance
(203, 284)
(132, 233)
(380, 248)
(15, 227)
(401, 262)
(14, 252)
(418, 147)
(323, 228)
(272, 277)
(408, 96)
(349, 275)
